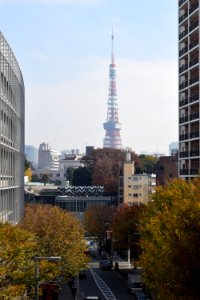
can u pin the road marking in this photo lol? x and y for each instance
(106, 291)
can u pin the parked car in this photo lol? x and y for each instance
(105, 264)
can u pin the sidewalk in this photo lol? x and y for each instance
(66, 293)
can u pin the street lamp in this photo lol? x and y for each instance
(37, 259)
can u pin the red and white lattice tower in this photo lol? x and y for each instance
(112, 126)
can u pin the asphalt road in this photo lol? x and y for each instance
(108, 285)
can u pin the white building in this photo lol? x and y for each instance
(48, 159)
(11, 136)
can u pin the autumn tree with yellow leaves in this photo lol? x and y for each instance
(59, 233)
(171, 241)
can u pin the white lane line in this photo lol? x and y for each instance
(106, 291)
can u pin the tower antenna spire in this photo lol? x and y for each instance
(112, 54)
(112, 125)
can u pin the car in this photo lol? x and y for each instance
(105, 264)
(92, 298)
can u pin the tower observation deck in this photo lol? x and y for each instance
(112, 126)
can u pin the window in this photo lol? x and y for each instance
(135, 195)
(135, 187)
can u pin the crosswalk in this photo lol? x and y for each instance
(106, 291)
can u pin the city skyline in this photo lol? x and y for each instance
(63, 48)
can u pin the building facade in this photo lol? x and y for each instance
(189, 122)
(31, 153)
(166, 169)
(134, 188)
(11, 136)
(48, 159)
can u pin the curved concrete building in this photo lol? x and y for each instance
(12, 103)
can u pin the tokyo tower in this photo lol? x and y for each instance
(112, 126)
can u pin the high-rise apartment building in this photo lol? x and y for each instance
(189, 122)
(31, 155)
(11, 136)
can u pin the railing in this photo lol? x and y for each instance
(194, 79)
(181, 2)
(183, 68)
(183, 17)
(193, 26)
(184, 154)
(194, 153)
(193, 62)
(182, 34)
(194, 171)
(194, 134)
(194, 116)
(193, 44)
(183, 137)
(194, 98)
(184, 171)
(183, 102)
(183, 51)
(193, 7)
(183, 85)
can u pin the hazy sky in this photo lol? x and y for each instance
(63, 48)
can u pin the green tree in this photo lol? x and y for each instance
(17, 249)
(35, 178)
(59, 233)
(45, 178)
(171, 241)
(82, 177)
(147, 164)
(70, 174)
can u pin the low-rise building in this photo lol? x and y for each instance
(134, 187)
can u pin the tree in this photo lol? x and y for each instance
(148, 164)
(82, 176)
(45, 178)
(97, 219)
(59, 234)
(35, 178)
(70, 174)
(27, 164)
(171, 241)
(28, 172)
(125, 228)
(17, 249)
(104, 164)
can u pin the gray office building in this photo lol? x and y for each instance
(11, 136)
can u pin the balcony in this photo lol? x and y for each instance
(182, 34)
(183, 17)
(194, 134)
(183, 68)
(181, 2)
(194, 171)
(193, 62)
(184, 154)
(194, 98)
(193, 44)
(184, 171)
(183, 102)
(194, 116)
(183, 85)
(194, 79)
(194, 153)
(193, 7)
(183, 137)
(193, 26)
(183, 51)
